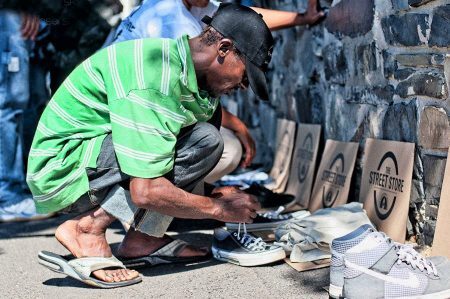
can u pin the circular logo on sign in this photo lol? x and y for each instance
(384, 199)
(305, 157)
(331, 191)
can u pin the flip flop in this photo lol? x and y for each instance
(81, 268)
(168, 254)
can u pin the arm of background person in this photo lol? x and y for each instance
(277, 19)
(236, 125)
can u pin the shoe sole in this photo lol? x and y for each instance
(335, 292)
(248, 260)
(254, 227)
(439, 295)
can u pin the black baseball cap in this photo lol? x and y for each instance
(251, 37)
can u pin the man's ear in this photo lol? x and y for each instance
(224, 47)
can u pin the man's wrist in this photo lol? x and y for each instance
(216, 210)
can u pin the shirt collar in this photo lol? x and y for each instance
(188, 76)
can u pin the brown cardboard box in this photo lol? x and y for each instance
(306, 266)
(301, 176)
(283, 155)
(441, 242)
(333, 178)
(386, 185)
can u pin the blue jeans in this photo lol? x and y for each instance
(14, 101)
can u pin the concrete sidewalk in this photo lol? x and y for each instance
(23, 277)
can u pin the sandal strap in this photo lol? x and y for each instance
(86, 265)
(171, 249)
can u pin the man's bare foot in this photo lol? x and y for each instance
(84, 236)
(137, 244)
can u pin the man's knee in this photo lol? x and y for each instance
(210, 141)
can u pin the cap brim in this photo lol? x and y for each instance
(257, 80)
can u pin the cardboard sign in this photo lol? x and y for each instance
(301, 176)
(386, 185)
(441, 242)
(333, 178)
(283, 155)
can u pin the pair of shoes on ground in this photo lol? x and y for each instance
(242, 248)
(24, 210)
(368, 264)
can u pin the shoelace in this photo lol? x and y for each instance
(276, 214)
(249, 241)
(408, 255)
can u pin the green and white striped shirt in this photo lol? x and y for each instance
(142, 91)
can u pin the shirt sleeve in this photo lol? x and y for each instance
(144, 127)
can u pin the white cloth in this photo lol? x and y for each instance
(309, 239)
(164, 18)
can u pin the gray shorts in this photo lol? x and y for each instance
(109, 186)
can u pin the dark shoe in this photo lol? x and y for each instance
(267, 198)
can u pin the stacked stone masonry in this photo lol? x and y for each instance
(372, 68)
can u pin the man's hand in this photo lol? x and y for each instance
(237, 207)
(313, 14)
(30, 26)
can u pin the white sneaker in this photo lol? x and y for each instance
(24, 210)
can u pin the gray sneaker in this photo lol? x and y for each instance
(338, 248)
(377, 267)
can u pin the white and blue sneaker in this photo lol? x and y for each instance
(244, 249)
(376, 267)
(24, 210)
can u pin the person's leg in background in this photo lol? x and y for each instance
(231, 157)
(39, 96)
(15, 204)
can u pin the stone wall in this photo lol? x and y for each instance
(373, 68)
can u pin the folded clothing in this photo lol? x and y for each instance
(308, 239)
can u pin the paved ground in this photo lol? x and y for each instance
(23, 277)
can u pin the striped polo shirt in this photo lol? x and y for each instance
(142, 91)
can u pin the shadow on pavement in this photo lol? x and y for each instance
(66, 282)
(313, 280)
(44, 228)
(41, 228)
(167, 269)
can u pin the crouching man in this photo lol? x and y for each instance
(125, 137)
